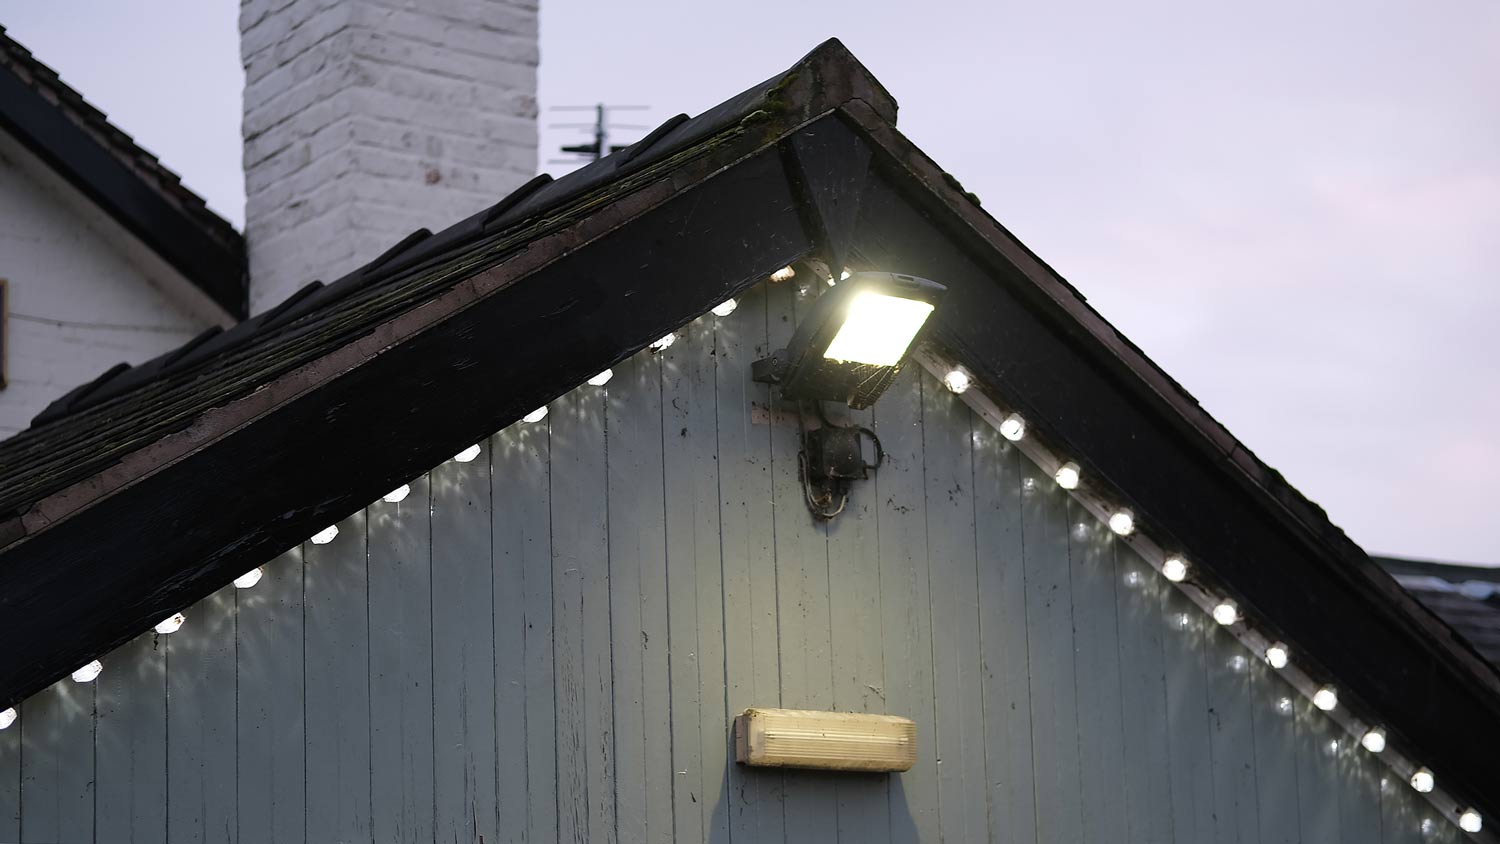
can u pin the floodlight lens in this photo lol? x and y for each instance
(878, 329)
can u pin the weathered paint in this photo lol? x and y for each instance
(548, 644)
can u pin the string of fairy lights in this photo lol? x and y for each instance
(1223, 609)
(1069, 477)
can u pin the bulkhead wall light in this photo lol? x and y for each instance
(851, 345)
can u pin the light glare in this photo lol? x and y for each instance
(602, 378)
(1277, 656)
(536, 415)
(1013, 427)
(1122, 522)
(467, 454)
(663, 343)
(1067, 475)
(877, 329)
(956, 380)
(7, 717)
(1373, 740)
(88, 673)
(1175, 569)
(725, 308)
(326, 535)
(1423, 780)
(170, 624)
(1470, 821)
(1226, 613)
(248, 579)
(397, 495)
(1326, 699)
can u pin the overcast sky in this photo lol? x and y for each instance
(1294, 208)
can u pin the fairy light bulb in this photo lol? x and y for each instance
(957, 380)
(1226, 613)
(1278, 655)
(1013, 427)
(725, 308)
(1423, 781)
(1122, 522)
(1174, 569)
(1067, 475)
(536, 415)
(467, 454)
(397, 495)
(170, 624)
(1284, 705)
(88, 673)
(248, 579)
(7, 717)
(663, 343)
(1373, 740)
(783, 274)
(602, 378)
(1470, 821)
(1326, 698)
(326, 535)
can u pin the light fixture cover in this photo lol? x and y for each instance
(854, 339)
(830, 741)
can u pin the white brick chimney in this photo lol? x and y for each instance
(367, 119)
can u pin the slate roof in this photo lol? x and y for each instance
(153, 487)
(77, 140)
(1466, 598)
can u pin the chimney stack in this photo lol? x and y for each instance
(367, 119)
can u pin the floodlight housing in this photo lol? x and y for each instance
(852, 344)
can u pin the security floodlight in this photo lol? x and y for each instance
(852, 344)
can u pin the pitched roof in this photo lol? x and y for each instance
(1466, 598)
(75, 139)
(125, 509)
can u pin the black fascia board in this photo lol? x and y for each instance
(216, 268)
(1033, 357)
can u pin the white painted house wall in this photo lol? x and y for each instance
(84, 294)
(368, 119)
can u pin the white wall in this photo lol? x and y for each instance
(84, 294)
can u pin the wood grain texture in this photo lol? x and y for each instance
(57, 764)
(1188, 718)
(272, 737)
(1276, 786)
(202, 797)
(130, 744)
(1096, 671)
(1143, 698)
(10, 783)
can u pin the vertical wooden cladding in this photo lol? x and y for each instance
(547, 643)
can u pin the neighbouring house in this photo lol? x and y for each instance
(492, 538)
(104, 256)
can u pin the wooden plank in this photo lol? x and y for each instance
(57, 762)
(906, 623)
(1275, 733)
(637, 549)
(1049, 625)
(1231, 740)
(857, 652)
(1317, 775)
(1359, 794)
(131, 744)
(401, 653)
(10, 782)
(953, 574)
(271, 677)
(1187, 717)
(523, 575)
(801, 592)
(694, 575)
(752, 655)
(336, 604)
(463, 645)
(202, 798)
(1096, 669)
(1143, 698)
(1002, 634)
(581, 618)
